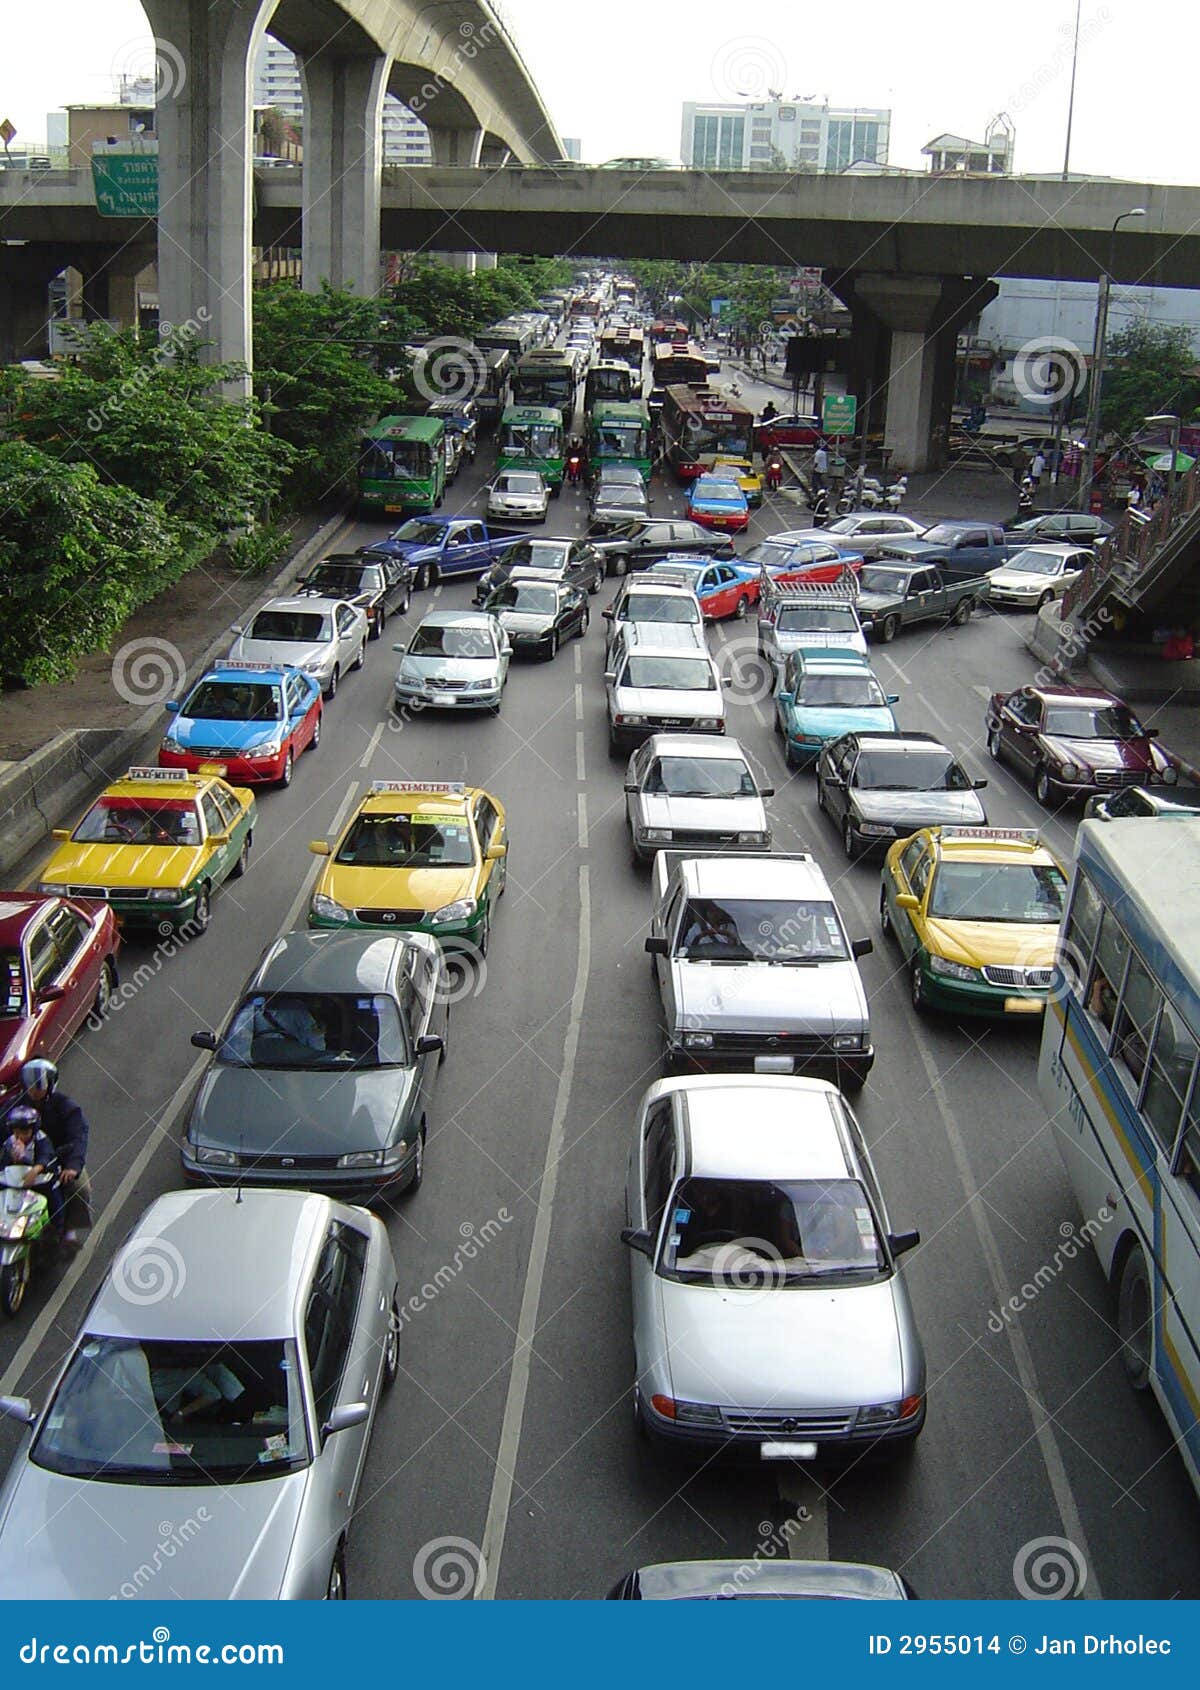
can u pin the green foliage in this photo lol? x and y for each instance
(258, 549)
(1151, 371)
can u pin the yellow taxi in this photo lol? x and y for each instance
(976, 912)
(155, 846)
(422, 856)
(746, 476)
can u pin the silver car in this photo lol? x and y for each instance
(807, 619)
(770, 1318)
(754, 967)
(694, 790)
(518, 495)
(324, 637)
(654, 688)
(863, 532)
(654, 599)
(324, 1076)
(456, 659)
(1035, 576)
(208, 1443)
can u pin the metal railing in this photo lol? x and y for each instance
(1127, 559)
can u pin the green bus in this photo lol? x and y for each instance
(546, 377)
(606, 382)
(402, 466)
(619, 433)
(532, 437)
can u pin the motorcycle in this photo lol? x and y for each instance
(875, 496)
(24, 1219)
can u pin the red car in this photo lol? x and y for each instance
(58, 962)
(1074, 741)
(795, 428)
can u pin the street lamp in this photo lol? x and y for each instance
(1175, 424)
(1104, 281)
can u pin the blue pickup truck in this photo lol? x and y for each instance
(441, 547)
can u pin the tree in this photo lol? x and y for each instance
(1151, 371)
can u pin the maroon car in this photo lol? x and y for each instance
(57, 964)
(1072, 742)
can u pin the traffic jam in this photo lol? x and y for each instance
(789, 820)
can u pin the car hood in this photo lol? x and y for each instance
(769, 997)
(1004, 943)
(293, 652)
(668, 701)
(450, 668)
(409, 550)
(703, 815)
(868, 602)
(1017, 579)
(920, 809)
(524, 621)
(201, 1542)
(309, 1112)
(832, 724)
(802, 1347)
(1138, 754)
(116, 866)
(187, 732)
(425, 889)
(517, 501)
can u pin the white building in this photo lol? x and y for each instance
(277, 83)
(782, 135)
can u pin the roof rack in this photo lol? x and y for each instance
(842, 591)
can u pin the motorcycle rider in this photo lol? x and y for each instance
(28, 1147)
(65, 1125)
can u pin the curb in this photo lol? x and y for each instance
(45, 788)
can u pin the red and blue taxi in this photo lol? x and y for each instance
(58, 965)
(724, 588)
(252, 718)
(718, 504)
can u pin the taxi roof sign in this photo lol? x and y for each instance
(456, 787)
(141, 772)
(1013, 835)
(255, 665)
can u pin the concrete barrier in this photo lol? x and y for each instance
(51, 785)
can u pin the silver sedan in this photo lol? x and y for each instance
(324, 637)
(770, 1317)
(236, 1406)
(694, 790)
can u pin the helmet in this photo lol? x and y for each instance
(40, 1071)
(23, 1115)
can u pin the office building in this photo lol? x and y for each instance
(782, 135)
(277, 83)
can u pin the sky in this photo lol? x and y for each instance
(616, 74)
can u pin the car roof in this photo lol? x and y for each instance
(307, 602)
(819, 661)
(305, 961)
(783, 1131)
(649, 645)
(1054, 548)
(725, 873)
(408, 798)
(239, 1261)
(991, 845)
(660, 584)
(899, 741)
(1074, 695)
(146, 782)
(712, 746)
(455, 618)
(17, 910)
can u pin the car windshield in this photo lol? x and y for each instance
(140, 821)
(168, 1413)
(620, 475)
(651, 607)
(12, 986)
(520, 483)
(315, 1030)
(875, 580)
(408, 841)
(530, 600)
(1034, 563)
(815, 619)
(343, 580)
(1092, 721)
(711, 487)
(738, 1234)
(234, 701)
(441, 639)
(998, 892)
(940, 535)
(417, 532)
(848, 691)
(700, 777)
(909, 771)
(618, 495)
(761, 930)
(538, 554)
(303, 626)
(669, 674)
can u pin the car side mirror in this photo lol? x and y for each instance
(631, 786)
(495, 852)
(1150, 733)
(610, 674)
(51, 994)
(60, 833)
(638, 1239)
(907, 901)
(428, 1043)
(657, 946)
(218, 839)
(866, 627)
(862, 947)
(19, 1409)
(832, 779)
(978, 785)
(343, 1416)
(766, 792)
(172, 706)
(319, 847)
(204, 1040)
(607, 614)
(893, 698)
(237, 628)
(899, 1242)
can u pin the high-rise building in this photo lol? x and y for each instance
(782, 135)
(277, 83)
(572, 147)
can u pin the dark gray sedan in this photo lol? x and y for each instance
(879, 787)
(538, 615)
(324, 1075)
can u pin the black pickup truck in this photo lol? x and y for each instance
(894, 591)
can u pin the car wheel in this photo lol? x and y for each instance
(849, 844)
(596, 580)
(418, 1173)
(285, 778)
(1043, 788)
(391, 1346)
(1046, 598)
(380, 622)
(585, 623)
(104, 992)
(1134, 1315)
(916, 989)
(316, 735)
(202, 913)
(362, 656)
(888, 629)
(552, 648)
(403, 609)
(994, 743)
(331, 689)
(962, 612)
(620, 566)
(239, 868)
(335, 1589)
(740, 608)
(14, 1277)
(885, 916)
(485, 934)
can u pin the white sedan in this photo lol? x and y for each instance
(1037, 575)
(694, 790)
(518, 495)
(324, 637)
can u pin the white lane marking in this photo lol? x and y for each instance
(578, 701)
(580, 769)
(373, 745)
(807, 1535)
(984, 692)
(112, 1209)
(581, 801)
(578, 655)
(518, 1383)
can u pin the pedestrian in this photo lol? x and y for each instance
(1037, 468)
(820, 466)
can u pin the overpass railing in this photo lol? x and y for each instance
(1137, 551)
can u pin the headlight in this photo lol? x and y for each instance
(698, 1413)
(880, 1414)
(15, 1228)
(327, 909)
(172, 745)
(488, 684)
(753, 838)
(50, 888)
(879, 830)
(462, 909)
(709, 724)
(409, 677)
(1069, 770)
(656, 835)
(313, 666)
(216, 1158)
(271, 749)
(621, 720)
(1169, 775)
(847, 1041)
(955, 970)
(361, 1159)
(698, 1041)
(165, 895)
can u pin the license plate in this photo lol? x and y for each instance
(788, 1452)
(1023, 1006)
(393, 510)
(774, 1065)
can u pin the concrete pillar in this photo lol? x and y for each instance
(203, 118)
(485, 261)
(343, 155)
(493, 154)
(455, 146)
(25, 276)
(109, 286)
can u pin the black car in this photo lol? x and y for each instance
(636, 544)
(376, 582)
(879, 787)
(1061, 525)
(576, 563)
(538, 614)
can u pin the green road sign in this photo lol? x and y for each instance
(838, 413)
(126, 184)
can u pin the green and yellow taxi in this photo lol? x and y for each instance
(976, 912)
(155, 846)
(744, 473)
(416, 856)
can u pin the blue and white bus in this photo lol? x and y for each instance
(1118, 1074)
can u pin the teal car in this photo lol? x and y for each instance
(823, 695)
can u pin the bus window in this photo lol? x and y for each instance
(1189, 1153)
(1083, 924)
(1140, 1003)
(1172, 1061)
(1107, 969)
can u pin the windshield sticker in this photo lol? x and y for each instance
(454, 824)
(275, 1448)
(171, 1449)
(682, 1217)
(865, 1224)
